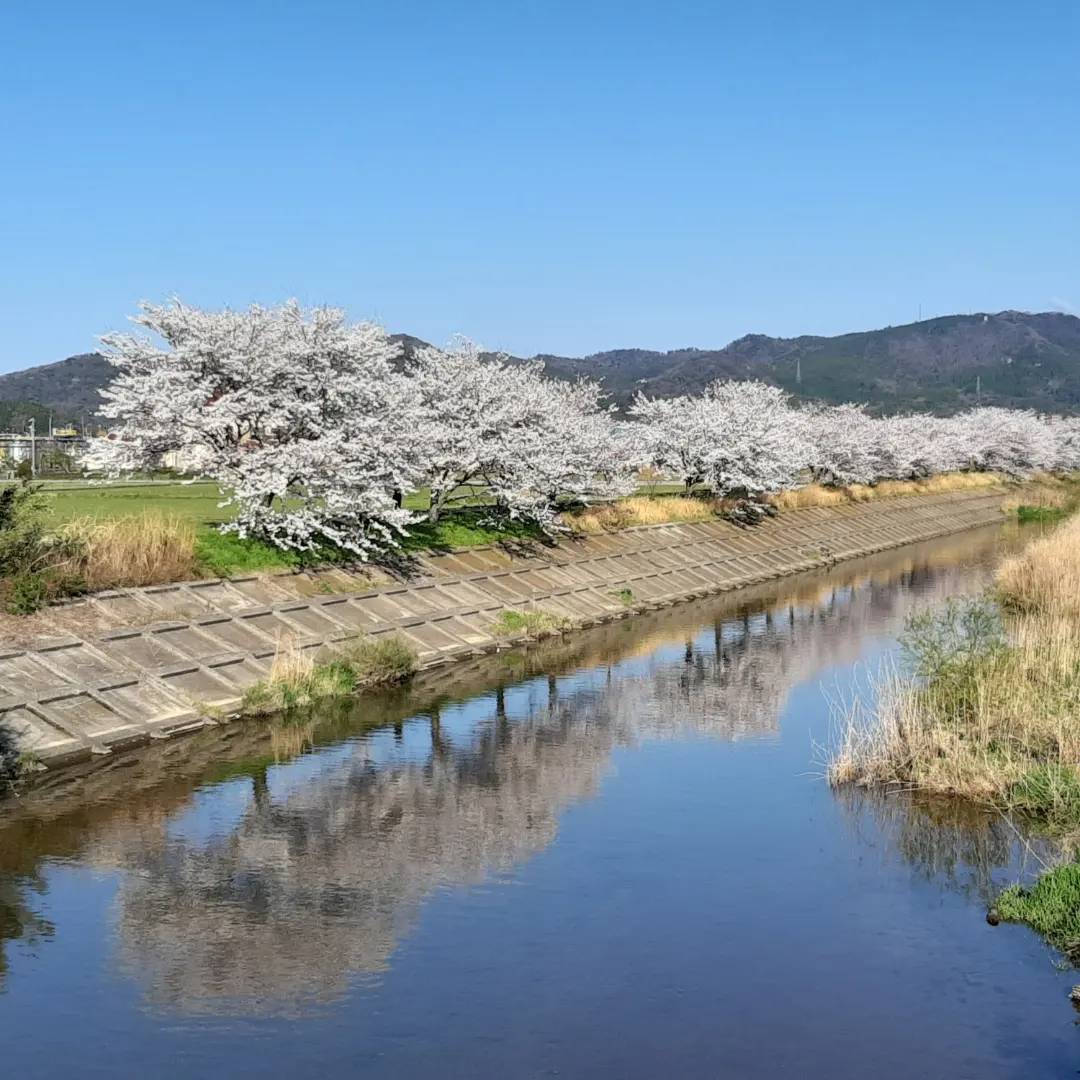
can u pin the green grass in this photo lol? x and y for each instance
(529, 622)
(1049, 795)
(624, 596)
(466, 528)
(1045, 514)
(198, 501)
(332, 679)
(298, 683)
(1051, 907)
(223, 555)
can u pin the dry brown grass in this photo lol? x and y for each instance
(991, 716)
(1045, 576)
(1044, 491)
(640, 510)
(291, 663)
(821, 495)
(150, 549)
(980, 735)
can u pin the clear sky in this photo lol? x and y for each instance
(557, 177)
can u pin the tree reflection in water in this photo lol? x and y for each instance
(318, 877)
(965, 848)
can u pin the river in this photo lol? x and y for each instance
(614, 855)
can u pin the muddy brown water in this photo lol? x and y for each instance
(612, 856)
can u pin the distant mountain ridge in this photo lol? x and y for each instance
(68, 389)
(1012, 358)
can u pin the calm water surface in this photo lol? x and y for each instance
(611, 857)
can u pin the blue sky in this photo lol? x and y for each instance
(559, 177)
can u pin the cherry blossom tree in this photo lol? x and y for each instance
(299, 416)
(1066, 432)
(529, 440)
(843, 444)
(569, 449)
(1016, 442)
(741, 438)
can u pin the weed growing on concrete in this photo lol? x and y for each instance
(378, 660)
(536, 623)
(297, 680)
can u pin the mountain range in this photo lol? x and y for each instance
(1013, 358)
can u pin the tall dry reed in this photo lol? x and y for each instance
(145, 549)
(1045, 576)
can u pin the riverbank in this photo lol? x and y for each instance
(986, 709)
(150, 663)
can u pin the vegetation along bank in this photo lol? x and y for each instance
(987, 708)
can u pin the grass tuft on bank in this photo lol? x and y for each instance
(297, 679)
(511, 622)
(1051, 906)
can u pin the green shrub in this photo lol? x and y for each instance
(32, 564)
(26, 593)
(22, 528)
(946, 645)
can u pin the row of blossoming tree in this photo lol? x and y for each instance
(315, 429)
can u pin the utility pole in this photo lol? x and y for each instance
(978, 389)
(33, 453)
(798, 371)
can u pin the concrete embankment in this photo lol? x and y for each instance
(151, 663)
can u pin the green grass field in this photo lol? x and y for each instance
(220, 554)
(197, 502)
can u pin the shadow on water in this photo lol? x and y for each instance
(271, 869)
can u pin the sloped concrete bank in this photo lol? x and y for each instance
(151, 663)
